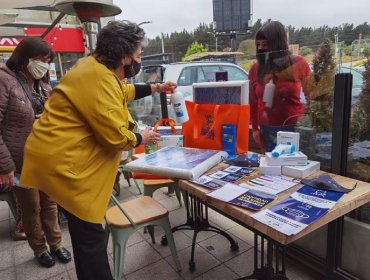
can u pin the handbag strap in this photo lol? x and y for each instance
(25, 89)
(171, 122)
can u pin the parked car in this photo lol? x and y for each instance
(184, 74)
(356, 83)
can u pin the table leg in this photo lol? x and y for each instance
(197, 220)
(265, 270)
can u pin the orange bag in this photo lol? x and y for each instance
(203, 130)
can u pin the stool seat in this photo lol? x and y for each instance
(157, 182)
(141, 210)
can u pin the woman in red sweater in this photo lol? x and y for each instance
(277, 106)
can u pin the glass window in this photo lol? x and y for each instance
(234, 73)
(185, 77)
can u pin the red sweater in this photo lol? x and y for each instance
(286, 107)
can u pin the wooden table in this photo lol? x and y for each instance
(275, 239)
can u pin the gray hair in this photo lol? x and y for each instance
(117, 39)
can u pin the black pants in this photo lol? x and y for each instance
(89, 249)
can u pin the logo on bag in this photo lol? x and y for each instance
(207, 127)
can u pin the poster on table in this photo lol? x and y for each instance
(177, 162)
(299, 210)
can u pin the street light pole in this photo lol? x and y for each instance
(144, 22)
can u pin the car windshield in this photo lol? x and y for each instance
(151, 74)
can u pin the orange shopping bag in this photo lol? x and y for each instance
(203, 130)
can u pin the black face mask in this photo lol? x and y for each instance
(262, 56)
(132, 69)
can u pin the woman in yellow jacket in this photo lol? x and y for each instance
(74, 149)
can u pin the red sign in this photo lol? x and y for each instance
(60, 39)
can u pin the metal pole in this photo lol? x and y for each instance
(60, 64)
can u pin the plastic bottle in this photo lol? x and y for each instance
(178, 103)
(283, 149)
(268, 94)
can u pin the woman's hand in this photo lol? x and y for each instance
(167, 87)
(8, 179)
(257, 137)
(150, 137)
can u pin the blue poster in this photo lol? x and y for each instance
(300, 209)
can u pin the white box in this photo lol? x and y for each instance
(267, 169)
(301, 171)
(227, 92)
(285, 137)
(171, 141)
(166, 130)
(297, 158)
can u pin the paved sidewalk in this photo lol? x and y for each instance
(144, 260)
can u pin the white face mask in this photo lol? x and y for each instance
(37, 68)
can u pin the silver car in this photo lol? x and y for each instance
(184, 74)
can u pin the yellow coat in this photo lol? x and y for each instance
(74, 149)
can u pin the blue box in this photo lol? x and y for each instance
(229, 138)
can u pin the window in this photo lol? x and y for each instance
(234, 74)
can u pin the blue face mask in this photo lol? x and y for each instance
(327, 183)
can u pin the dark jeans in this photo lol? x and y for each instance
(89, 249)
(269, 134)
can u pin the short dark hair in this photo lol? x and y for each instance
(117, 39)
(30, 47)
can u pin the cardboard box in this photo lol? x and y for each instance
(166, 130)
(297, 158)
(285, 137)
(171, 141)
(302, 171)
(266, 169)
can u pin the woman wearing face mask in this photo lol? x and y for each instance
(74, 149)
(24, 89)
(275, 83)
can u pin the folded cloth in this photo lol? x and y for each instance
(325, 182)
(245, 160)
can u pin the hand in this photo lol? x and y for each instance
(168, 86)
(8, 179)
(150, 137)
(257, 137)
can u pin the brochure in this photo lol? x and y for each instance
(271, 184)
(240, 196)
(209, 182)
(177, 162)
(301, 209)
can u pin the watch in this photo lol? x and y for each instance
(158, 87)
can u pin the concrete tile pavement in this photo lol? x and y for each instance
(144, 260)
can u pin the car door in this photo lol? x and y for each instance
(234, 73)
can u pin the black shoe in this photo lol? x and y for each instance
(62, 254)
(46, 260)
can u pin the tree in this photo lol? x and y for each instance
(320, 107)
(194, 48)
(360, 121)
(304, 51)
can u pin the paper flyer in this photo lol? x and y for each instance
(244, 171)
(243, 197)
(209, 182)
(301, 209)
(271, 184)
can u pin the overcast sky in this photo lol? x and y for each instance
(175, 15)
